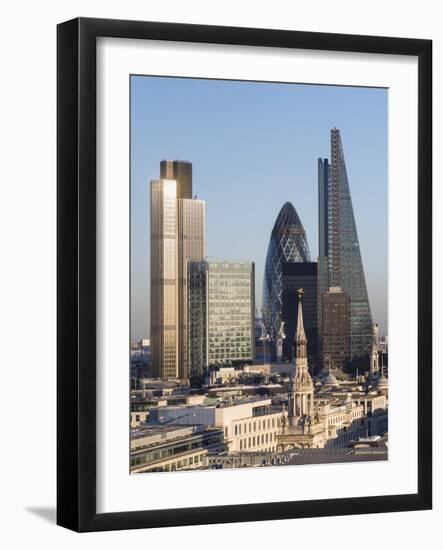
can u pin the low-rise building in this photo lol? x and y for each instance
(167, 448)
(247, 424)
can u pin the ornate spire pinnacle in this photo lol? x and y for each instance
(300, 332)
(373, 360)
(301, 388)
(300, 341)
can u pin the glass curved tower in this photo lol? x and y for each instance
(288, 243)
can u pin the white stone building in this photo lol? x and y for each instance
(248, 424)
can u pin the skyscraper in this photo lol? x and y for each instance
(335, 329)
(181, 172)
(296, 275)
(323, 244)
(340, 263)
(221, 313)
(177, 236)
(191, 246)
(288, 243)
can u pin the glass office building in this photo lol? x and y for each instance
(340, 263)
(288, 243)
(335, 314)
(177, 236)
(296, 275)
(163, 278)
(221, 318)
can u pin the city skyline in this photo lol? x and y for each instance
(241, 176)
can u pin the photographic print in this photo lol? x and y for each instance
(259, 285)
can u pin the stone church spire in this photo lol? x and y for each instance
(301, 388)
(373, 366)
(300, 342)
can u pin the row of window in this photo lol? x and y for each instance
(258, 441)
(159, 454)
(185, 463)
(253, 426)
(346, 437)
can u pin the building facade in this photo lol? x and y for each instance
(181, 172)
(323, 243)
(335, 329)
(297, 275)
(340, 262)
(221, 307)
(191, 246)
(288, 243)
(248, 424)
(164, 278)
(177, 236)
(171, 448)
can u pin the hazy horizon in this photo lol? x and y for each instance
(253, 147)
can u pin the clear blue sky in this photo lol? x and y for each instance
(253, 147)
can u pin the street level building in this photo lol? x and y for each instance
(248, 424)
(170, 448)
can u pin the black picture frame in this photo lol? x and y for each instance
(76, 273)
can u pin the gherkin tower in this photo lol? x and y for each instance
(288, 243)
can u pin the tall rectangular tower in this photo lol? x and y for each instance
(323, 243)
(177, 236)
(335, 337)
(296, 275)
(164, 278)
(191, 247)
(221, 313)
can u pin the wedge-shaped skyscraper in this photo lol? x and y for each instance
(288, 243)
(340, 263)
